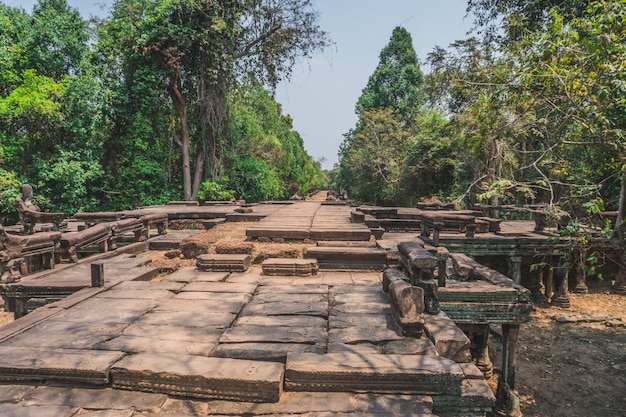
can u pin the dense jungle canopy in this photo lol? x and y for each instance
(172, 99)
(530, 111)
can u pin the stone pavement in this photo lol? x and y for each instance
(309, 220)
(239, 344)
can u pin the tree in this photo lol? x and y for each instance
(372, 154)
(196, 48)
(396, 83)
(50, 104)
(371, 166)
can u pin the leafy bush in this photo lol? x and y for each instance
(9, 191)
(253, 180)
(215, 191)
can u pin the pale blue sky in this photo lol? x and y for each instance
(323, 91)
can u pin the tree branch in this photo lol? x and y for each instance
(258, 40)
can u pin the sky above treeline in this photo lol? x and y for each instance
(322, 93)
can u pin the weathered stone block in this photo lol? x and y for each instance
(372, 373)
(32, 364)
(449, 340)
(407, 307)
(199, 377)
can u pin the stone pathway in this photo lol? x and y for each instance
(309, 220)
(208, 343)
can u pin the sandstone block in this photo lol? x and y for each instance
(199, 377)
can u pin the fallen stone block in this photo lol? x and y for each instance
(407, 307)
(449, 340)
(290, 267)
(200, 377)
(223, 262)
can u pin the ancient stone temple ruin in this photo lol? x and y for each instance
(387, 311)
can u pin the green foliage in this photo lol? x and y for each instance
(252, 180)
(69, 179)
(371, 166)
(214, 191)
(9, 191)
(259, 129)
(397, 80)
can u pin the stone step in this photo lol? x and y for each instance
(200, 377)
(348, 372)
(60, 365)
(348, 258)
(290, 267)
(223, 262)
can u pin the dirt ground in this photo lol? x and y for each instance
(574, 369)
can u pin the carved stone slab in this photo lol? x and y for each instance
(407, 307)
(29, 363)
(372, 373)
(195, 376)
(410, 346)
(347, 259)
(290, 267)
(475, 395)
(376, 335)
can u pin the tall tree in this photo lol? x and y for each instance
(397, 80)
(387, 106)
(197, 46)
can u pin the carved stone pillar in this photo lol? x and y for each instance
(536, 284)
(507, 401)
(580, 277)
(515, 268)
(561, 277)
(479, 348)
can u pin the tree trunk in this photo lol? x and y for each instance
(198, 169)
(183, 142)
(621, 211)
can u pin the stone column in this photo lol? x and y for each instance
(507, 401)
(580, 276)
(536, 285)
(479, 348)
(515, 268)
(561, 277)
